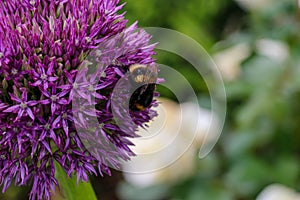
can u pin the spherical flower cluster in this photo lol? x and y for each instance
(43, 47)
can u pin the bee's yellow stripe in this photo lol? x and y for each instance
(139, 106)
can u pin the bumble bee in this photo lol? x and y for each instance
(144, 77)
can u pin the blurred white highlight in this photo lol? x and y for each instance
(278, 192)
(170, 123)
(273, 49)
(229, 60)
(254, 4)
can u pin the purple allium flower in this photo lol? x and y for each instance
(43, 74)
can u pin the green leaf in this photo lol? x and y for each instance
(248, 175)
(70, 188)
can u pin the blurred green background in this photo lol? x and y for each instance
(260, 140)
(258, 44)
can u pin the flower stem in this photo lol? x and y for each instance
(70, 188)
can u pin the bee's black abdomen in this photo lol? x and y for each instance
(143, 78)
(142, 97)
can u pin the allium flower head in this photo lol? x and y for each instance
(44, 73)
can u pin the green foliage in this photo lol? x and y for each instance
(195, 18)
(260, 141)
(71, 189)
(129, 192)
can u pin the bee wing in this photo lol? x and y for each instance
(151, 75)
